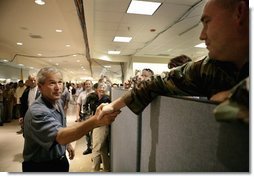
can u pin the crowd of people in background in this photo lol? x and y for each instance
(17, 97)
(11, 93)
(10, 104)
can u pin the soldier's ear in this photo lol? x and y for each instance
(242, 12)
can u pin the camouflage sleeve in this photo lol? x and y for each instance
(201, 78)
(180, 81)
(236, 106)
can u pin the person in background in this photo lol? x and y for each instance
(87, 89)
(226, 34)
(30, 94)
(127, 85)
(178, 61)
(105, 79)
(72, 90)
(100, 134)
(115, 85)
(46, 137)
(18, 93)
(9, 101)
(78, 90)
(65, 99)
(83, 114)
(146, 74)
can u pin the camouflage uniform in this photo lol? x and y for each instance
(236, 106)
(202, 78)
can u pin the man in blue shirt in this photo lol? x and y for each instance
(46, 136)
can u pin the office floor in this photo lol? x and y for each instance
(11, 147)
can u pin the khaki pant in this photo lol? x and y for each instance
(100, 148)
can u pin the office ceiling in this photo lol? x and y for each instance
(80, 50)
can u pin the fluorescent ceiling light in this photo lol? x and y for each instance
(114, 52)
(201, 45)
(122, 39)
(39, 2)
(59, 30)
(143, 7)
(19, 43)
(105, 58)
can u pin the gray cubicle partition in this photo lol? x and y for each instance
(124, 139)
(177, 135)
(181, 135)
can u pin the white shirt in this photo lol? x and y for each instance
(32, 95)
(18, 93)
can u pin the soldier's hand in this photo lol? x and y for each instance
(106, 115)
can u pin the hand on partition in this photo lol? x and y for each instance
(221, 96)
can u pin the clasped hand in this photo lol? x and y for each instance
(106, 114)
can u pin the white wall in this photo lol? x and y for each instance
(11, 73)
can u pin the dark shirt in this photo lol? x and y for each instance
(93, 101)
(24, 101)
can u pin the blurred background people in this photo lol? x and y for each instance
(100, 134)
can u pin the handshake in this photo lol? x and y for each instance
(105, 114)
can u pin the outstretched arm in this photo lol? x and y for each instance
(69, 134)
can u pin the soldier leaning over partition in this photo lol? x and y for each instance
(226, 34)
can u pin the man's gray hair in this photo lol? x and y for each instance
(42, 74)
(32, 75)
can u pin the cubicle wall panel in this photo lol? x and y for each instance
(124, 139)
(183, 136)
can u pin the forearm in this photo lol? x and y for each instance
(118, 103)
(69, 134)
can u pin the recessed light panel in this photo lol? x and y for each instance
(122, 39)
(39, 2)
(114, 52)
(143, 7)
(59, 30)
